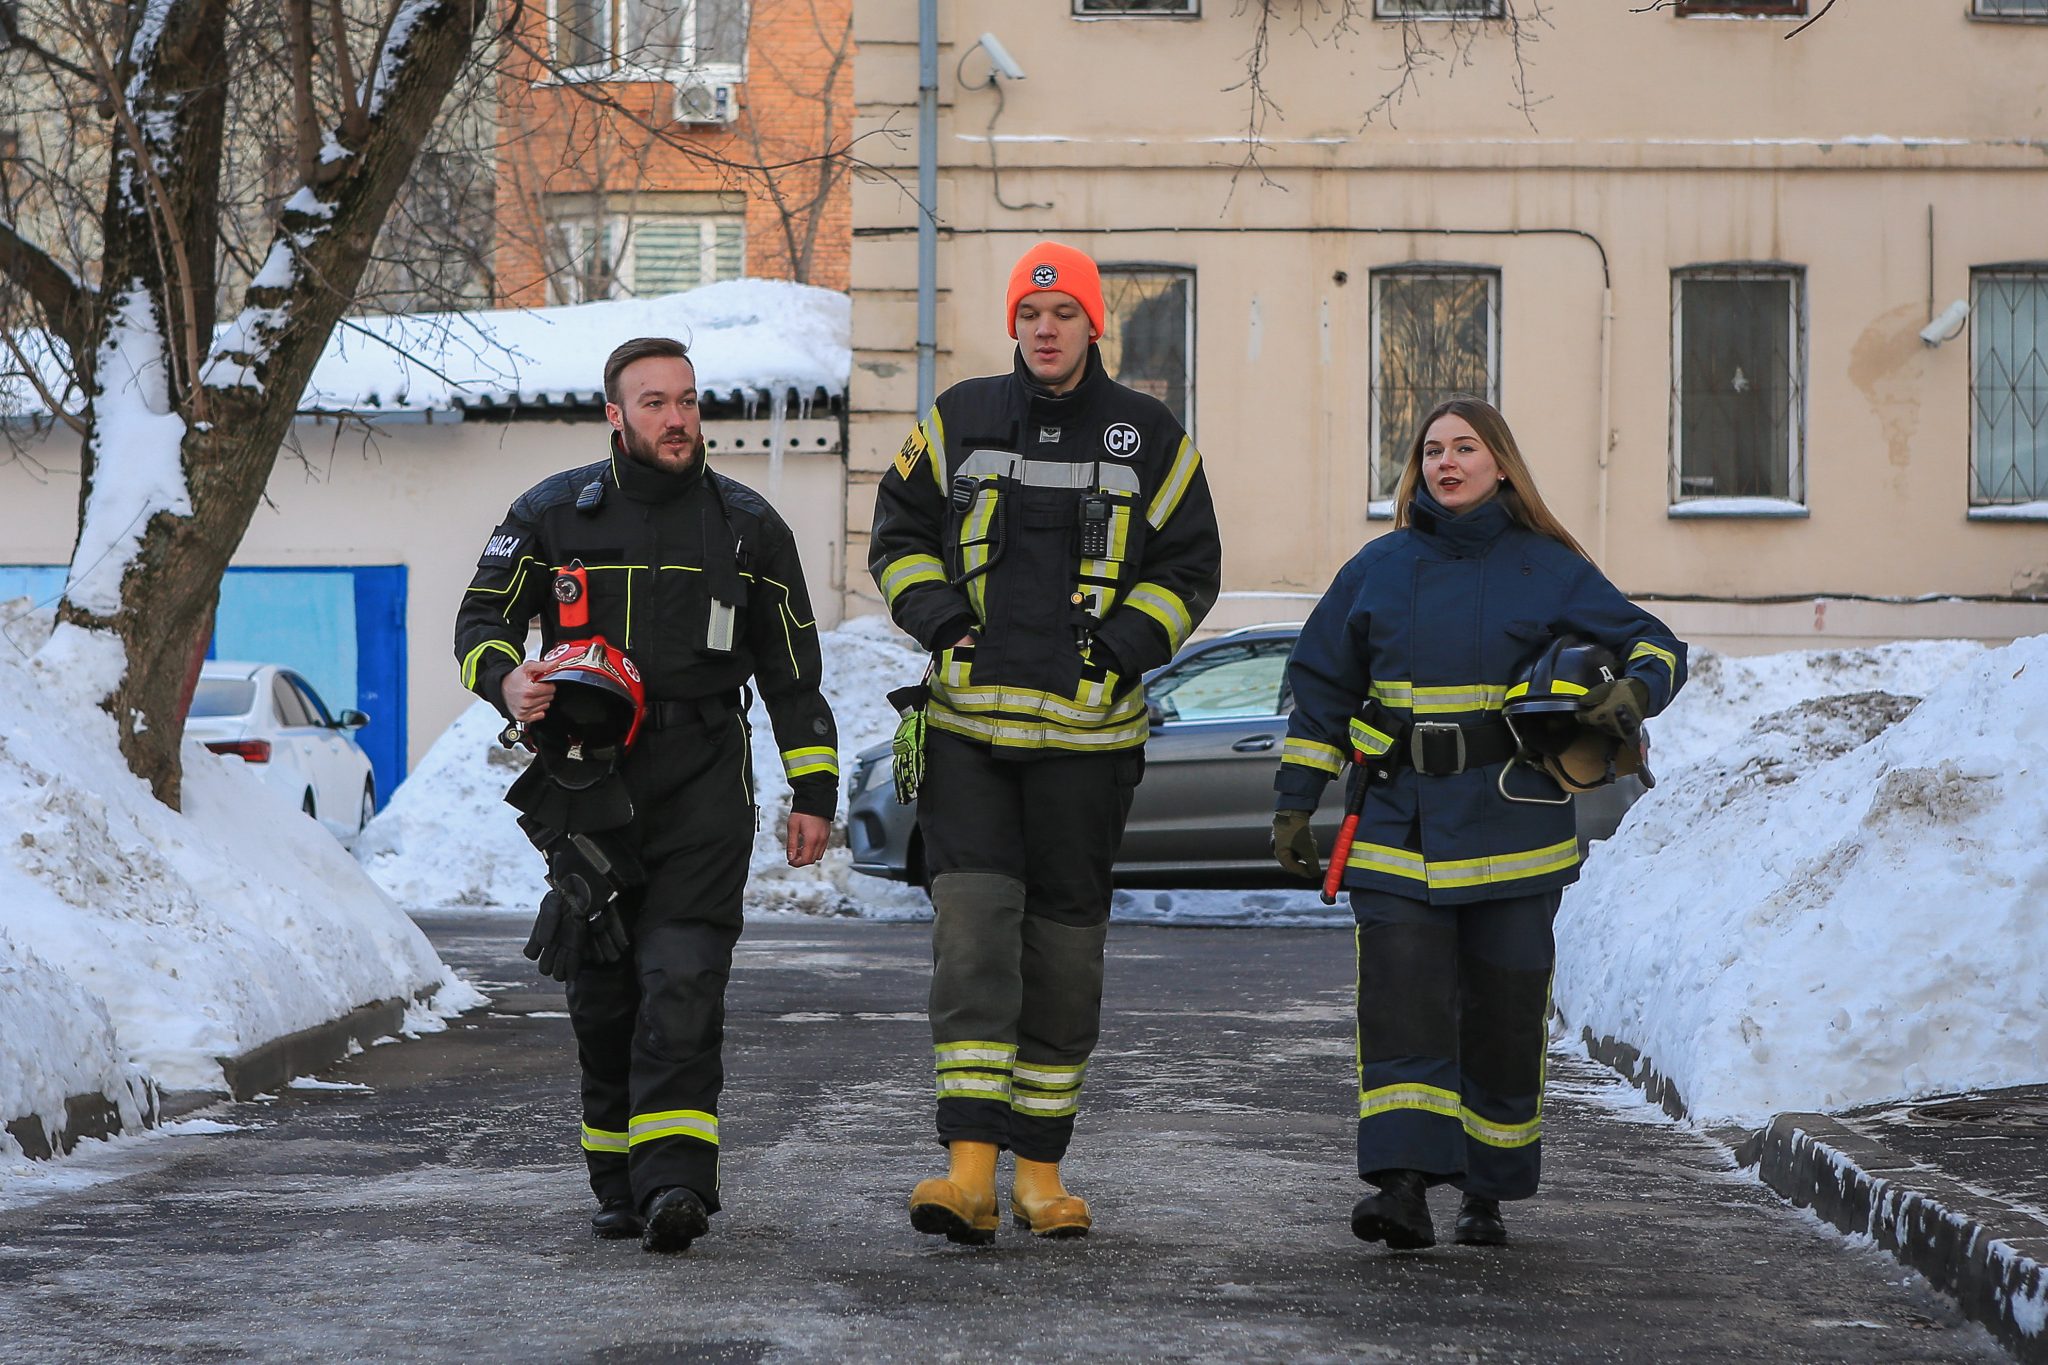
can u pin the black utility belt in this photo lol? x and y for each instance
(1445, 748)
(705, 711)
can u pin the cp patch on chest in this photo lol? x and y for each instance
(915, 448)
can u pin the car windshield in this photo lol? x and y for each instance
(223, 697)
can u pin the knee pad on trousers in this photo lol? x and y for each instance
(1407, 991)
(1063, 986)
(1505, 1025)
(976, 977)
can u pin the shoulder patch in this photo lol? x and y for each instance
(502, 550)
(915, 448)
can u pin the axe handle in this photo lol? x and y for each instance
(1347, 833)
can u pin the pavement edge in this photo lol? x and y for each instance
(265, 1067)
(1987, 1256)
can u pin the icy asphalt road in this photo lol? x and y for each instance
(441, 1214)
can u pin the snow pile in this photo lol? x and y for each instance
(1841, 904)
(448, 839)
(139, 944)
(747, 338)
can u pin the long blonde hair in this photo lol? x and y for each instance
(1518, 486)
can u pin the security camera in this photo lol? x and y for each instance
(1947, 325)
(999, 56)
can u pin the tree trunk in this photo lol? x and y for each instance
(229, 410)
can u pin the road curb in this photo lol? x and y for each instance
(266, 1067)
(1990, 1258)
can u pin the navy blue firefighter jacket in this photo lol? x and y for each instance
(1432, 622)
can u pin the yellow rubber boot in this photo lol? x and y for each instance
(961, 1207)
(1041, 1203)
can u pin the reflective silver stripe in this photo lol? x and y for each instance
(910, 571)
(1310, 753)
(1165, 608)
(988, 464)
(1050, 1077)
(1054, 1107)
(1029, 701)
(973, 1087)
(986, 1057)
(1185, 462)
(603, 1140)
(1023, 735)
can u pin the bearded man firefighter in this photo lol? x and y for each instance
(695, 579)
(1048, 535)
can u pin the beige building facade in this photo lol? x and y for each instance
(1695, 275)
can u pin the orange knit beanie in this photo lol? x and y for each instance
(1054, 265)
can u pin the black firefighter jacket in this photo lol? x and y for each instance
(1072, 535)
(1431, 623)
(661, 552)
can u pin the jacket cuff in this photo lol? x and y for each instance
(814, 798)
(490, 681)
(1298, 788)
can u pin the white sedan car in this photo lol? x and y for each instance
(272, 718)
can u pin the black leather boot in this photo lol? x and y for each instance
(1479, 1223)
(615, 1218)
(1398, 1215)
(675, 1218)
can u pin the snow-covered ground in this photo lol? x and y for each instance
(140, 945)
(1840, 903)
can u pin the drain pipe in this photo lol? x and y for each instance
(1606, 416)
(927, 204)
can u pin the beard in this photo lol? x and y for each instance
(640, 450)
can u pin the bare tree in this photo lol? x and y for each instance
(182, 383)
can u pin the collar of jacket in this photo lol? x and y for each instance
(642, 483)
(1044, 403)
(1471, 532)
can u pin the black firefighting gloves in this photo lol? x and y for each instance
(1615, 708)
(1294, 844)
(579, 920)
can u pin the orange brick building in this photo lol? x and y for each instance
(648, 146)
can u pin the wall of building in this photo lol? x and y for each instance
(1660, 143)
(426, 495)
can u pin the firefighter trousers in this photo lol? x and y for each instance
(1453, 1011)
(650, 1027)
(1018, 853)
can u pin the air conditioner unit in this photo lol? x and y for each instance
(706, 102)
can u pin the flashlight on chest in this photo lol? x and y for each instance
(572, 596)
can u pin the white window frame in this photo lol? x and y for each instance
(1987, 10)
(1192, 10)
(1379, 508)
(1452, 10)
(623, 250)
(2034, 508)
(614, 67)
(1682, 504)
(1181, 272)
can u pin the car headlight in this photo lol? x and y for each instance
(862, 776)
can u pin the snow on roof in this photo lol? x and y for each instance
(748, 338)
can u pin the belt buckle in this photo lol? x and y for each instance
(1425, 741)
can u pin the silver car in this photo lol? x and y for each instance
(1205, 808)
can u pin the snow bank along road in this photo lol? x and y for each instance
(440, 1214)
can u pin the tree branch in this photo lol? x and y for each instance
(35, 381)
(66, 301)
(305, 132)
(11, 36)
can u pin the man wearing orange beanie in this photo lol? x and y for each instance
(1048, 535)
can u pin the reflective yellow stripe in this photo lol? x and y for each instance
(1046, 1106)
(474, 660)
(1091, 709)
(1368, 739)
(909, 571)
(803, 762)
(935, 431)
(518, 572)
(1312, 753)
(1557, 685)
(1430, 1099)
(955, 1085)
(1501, 1134)
(1404, 696)
(1044, 1077)
(974, 549)
(690, 1123)
(974, 1053)
(1185, 462)
(603, 1140)
(1166, 608)
(1645, 650)
(1027, 735)
(1457, 872)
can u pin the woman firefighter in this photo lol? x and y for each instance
(1414, 664)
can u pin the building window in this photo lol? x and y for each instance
(2009, 9)
(649, 39)
(1089, 9)
(1148, 333)
(644, 255)
(1439, 9)
(2009, 386)
(1738, 357)
(1435, 332)
(1764, 8)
